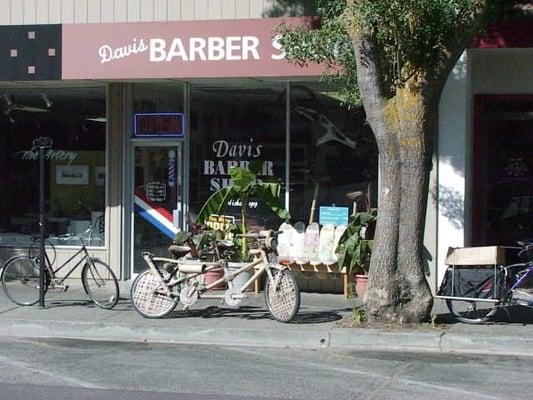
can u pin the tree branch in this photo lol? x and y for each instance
(464, 37)
(369, 77)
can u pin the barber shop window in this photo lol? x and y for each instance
(333, 159)
(75, 180)
(232, 125)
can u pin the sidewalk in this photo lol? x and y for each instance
(71, 315)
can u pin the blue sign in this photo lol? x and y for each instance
(158, 125)
(333, 215)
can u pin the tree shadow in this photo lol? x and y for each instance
(451, 205)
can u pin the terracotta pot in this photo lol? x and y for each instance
(214, 275)
(361, 283)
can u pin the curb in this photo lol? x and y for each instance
(309, 339)
(312, 338)
(443, 342)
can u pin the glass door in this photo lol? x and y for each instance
(157, 197)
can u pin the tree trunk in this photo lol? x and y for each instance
(398, 290)
(404, 125)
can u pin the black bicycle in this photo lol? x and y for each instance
(20, 276)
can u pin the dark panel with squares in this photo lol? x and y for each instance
(30, 52)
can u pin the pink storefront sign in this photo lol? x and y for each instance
(185, 49)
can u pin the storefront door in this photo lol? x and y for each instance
(503, 173)
(157, 199)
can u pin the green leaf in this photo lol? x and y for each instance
(269, 193)
(215, 203)
(242, 179)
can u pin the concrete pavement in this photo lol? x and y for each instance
(321, 323)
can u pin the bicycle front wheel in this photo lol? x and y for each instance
(147, 300)
(100, 283)
(472, 311)
(283, 299)
(20, 281)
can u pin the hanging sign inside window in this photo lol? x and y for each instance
(156, 191)
(158, 125)
(220, 222)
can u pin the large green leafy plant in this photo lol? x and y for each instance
(244, 186)
(355, 246)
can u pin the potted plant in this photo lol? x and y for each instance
(244, 186)
(203, 244)
(355, 248)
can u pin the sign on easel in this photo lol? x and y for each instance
(333, 215)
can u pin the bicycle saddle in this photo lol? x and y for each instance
(225, 244)
(178, 251)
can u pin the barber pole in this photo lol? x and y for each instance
(171, 168)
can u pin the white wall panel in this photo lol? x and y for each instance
(67, 11)
(29, 11)
(42, 12)
(93, 11)
(17, 12)
(121, 10)
(54, 11)
(201, 10)
(187, 10)
(214, 10)
(242, 8)
(257, 7)
(161, 10)
(80, 11)
(134, 10)
(174, 10)
(228, 9)
(147, 10)
(453, 128)
(5, 16)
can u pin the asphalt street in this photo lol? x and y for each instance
(75, 369)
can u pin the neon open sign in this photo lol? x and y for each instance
(158, 125)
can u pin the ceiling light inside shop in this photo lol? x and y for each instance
(97, 119)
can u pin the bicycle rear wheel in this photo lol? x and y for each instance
(20, 281)
(100, 283)
(283, 301)
(472, 311)
(145, 298)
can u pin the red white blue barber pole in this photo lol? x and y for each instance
(156, 215)
(171, 168)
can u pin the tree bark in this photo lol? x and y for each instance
(404, 127)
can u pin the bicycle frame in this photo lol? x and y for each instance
(53, 271)
(528, 271)
(260, 259)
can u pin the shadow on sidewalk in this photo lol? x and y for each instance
(509, 315)
(257, 313)
(122, 305)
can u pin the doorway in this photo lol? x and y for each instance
(157, 199)
(502, 207)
